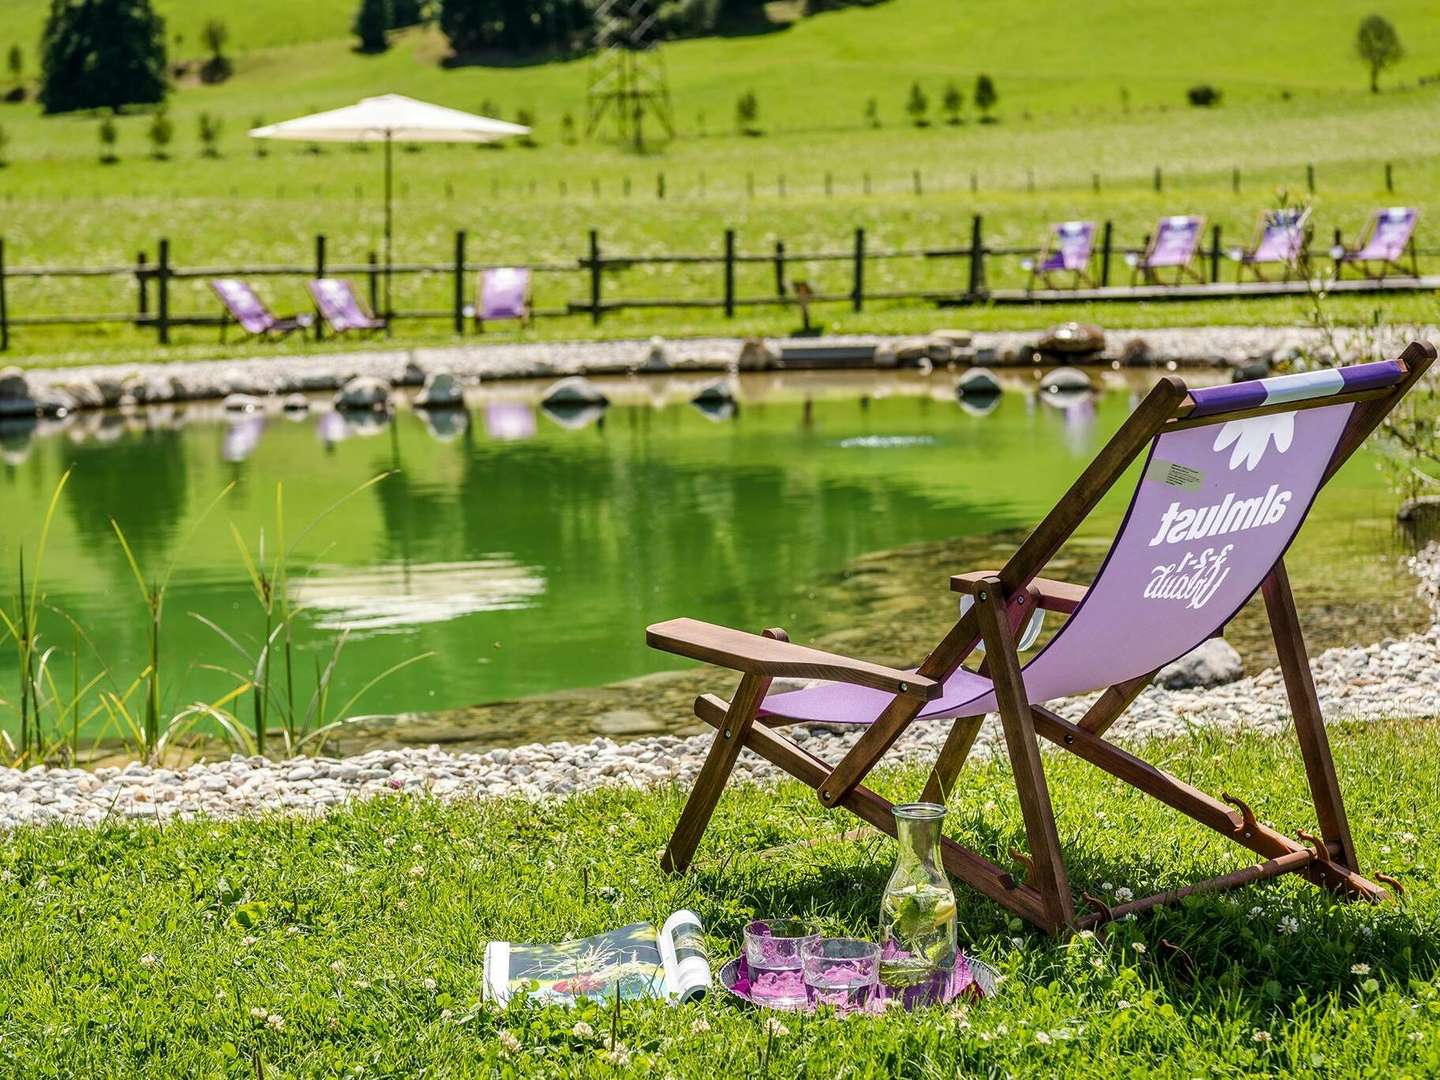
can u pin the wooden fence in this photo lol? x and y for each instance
(597, 272)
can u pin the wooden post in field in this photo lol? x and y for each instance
(977, 257)
(4, 305)
(1095, 182)
(660, 185)
(1235, 179)
(320, 273)
(857, 288)
(729, 273)
(1389, 177)
(1030, 181)
(829, 185)
(780, 185)
(749, 185)
(780, 269)
(142, 282)
(1159, 182)
(867, 183)
(1215, 253)
(1105, 239)
(974, 183)
(915, 177)
(1310, 177)
(460, 281)
(373, 283)
(162, 289)
(595, 277)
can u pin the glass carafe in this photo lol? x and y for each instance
(917, 912)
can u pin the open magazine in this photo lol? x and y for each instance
(632, 962)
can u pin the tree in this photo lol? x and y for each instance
(525, 118)
(101, 54)
(953, 101)
(872, 112)
(406, 13)
(518, 26)
(160, 133)
(15, 62)
(567, 129)
(747, 113)
(917, 105)
(1378, 45)
(985, 97)
(371, 22)
(209, 127)
(109, 136)
(216, 36)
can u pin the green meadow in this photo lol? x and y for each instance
(350, 945)
(1085, 93)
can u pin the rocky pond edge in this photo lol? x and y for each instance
(1395, 678)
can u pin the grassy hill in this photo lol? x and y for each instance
(1085, 90)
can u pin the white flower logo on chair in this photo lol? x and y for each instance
(1252, 437)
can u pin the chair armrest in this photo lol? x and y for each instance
(756, 655)
(1052, 595)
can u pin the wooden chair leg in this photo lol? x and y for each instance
(729, 740)
(1309, 723)
(1049, 875)
(952, 758)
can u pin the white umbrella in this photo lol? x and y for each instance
(388, 118)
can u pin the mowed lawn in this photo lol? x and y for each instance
(1087, 93)
(351, 945)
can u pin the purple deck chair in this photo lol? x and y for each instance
(1280, 240)
(1388, 235)
(1229, 476)
(1171, 246)
(339, 305)
(1067, 250)
(243, 306)
(504, 294)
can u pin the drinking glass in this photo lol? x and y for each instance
(772, 953)
(840, 972)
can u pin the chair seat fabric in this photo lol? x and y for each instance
(966, 694)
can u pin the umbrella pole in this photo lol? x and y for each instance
(389, 185)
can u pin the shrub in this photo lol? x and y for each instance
(1378, 45)
(261, 149)
(160, 133)
(371, 22)
(952, 102)
(101, 54)
(872, 112)
(406, 13)
(1203, 95)
(985, 97)
(917, 105)
(109, 135)
(526, 118)
(209, 127)
(567, 128)
(218, 68)
(747, 113)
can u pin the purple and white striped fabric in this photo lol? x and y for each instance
(1322, 382)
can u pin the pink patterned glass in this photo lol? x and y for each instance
(773, 955)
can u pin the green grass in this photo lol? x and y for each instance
(1294, 94)
(137, 950)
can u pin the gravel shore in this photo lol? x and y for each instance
(1394, 678)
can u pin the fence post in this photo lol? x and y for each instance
(1030, 181)
(729, 273)
(1389, 177)
(460, 282)
(162, 289)
(142, 279)
(780, 185)
(1095, 182)
(1215, 254)
(1310, 177)
(867, 183)
(320, 273)
(857, 290)
(660, 185)
(974, 183)
(780, 269)
(829, 185)
(915, 177)
(750, 185)
(1158, 180)
(1105, 239)
(977, 257)
(1235, 180)
(373, 284)
(4, 305)
(594, 276)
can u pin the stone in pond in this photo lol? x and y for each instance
(756, 355)
(1212, 663)
(977, 382)
(716, 393)
(441, 391)
(1072, 339)
(364, 393)
(1137, 353)
(15, 397)
(956, 339)
(574, 391)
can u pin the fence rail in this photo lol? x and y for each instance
(597, 271)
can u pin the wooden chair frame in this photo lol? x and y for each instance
(1382, 265)
(1289, 266)
(1003, 598)
(525, 320)
(1079, 277)
(1142, 272)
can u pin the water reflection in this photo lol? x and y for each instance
(242, 436)
(446, 424)
(508, 420)
(140, 478)
(399, 596)
(575, 417)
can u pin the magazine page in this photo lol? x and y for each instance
(626, 962)
(682, 949)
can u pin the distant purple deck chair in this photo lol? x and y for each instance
(1229, 474)
(339, 305)
(1388, 235)
(1171, 246)
(1068, 247)
(504, 294)
(243, 306)
(1281, 239)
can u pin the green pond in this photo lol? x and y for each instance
(526, 552)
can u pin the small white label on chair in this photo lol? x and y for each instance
(1174, 475)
